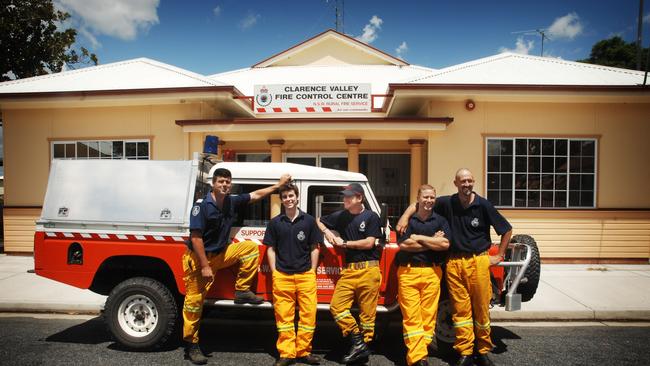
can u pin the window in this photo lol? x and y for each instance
(541, 172)
(256, 158)
(331, 161)
(389, 175)
(254, 214)
(101, 149)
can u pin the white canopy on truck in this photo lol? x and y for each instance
(141, 195)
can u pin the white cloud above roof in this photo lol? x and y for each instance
(122, 19)
(140, 73)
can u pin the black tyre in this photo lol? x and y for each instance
(141, 313)
(528, 288)
(445, 331)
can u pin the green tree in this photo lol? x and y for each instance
(615, 52)
(33, 41)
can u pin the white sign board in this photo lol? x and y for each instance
(312, 98)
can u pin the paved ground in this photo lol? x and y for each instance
(82, 340)
(565, 292)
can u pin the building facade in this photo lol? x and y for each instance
(559, 146)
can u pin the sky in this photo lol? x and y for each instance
(212, 36)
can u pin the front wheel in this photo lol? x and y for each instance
(141, 313)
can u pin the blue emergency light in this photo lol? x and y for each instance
(211, 144)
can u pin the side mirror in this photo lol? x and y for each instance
(384, 214)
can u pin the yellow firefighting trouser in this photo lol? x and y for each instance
(362, 285)
(418, 295)
(245, 253)
(470, 291)
(290, 290)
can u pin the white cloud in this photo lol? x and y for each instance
(568, 26)
(217, 11)
(249, 21)
(402, 49)
(521, 46)
(370, 30)
(123, 19)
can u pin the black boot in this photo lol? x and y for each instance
(309, 360)
(483, 360)
(359, 349)
(247, 297)
(464, 361)
(284, 362)
(194, 354)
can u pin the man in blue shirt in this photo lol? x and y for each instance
(209, 249)
(422, 250)
(358, 230)
(468, 267)
(293, 238)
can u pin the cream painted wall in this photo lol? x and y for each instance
(28, 134)
(332, 52)
(624, 130)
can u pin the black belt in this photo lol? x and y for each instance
(417, 264)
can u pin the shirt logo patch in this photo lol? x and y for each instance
(362, 227)
(475, 222)
(196, 210)
(301, 235)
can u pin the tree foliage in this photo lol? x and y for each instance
(34, 40)
(615, 52)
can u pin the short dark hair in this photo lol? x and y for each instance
(221, 172)
(288, 187)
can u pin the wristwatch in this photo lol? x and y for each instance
(345, 244)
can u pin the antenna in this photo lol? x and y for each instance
(531, 32)
(339, 7)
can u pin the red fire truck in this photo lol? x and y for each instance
(118, 228)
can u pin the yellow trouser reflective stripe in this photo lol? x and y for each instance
(361, 285)
(470, 291)
(465, 323)
(196, 287)
(413, 334)
(291, 291)
(342, 315)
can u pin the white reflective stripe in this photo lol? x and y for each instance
(140, 237)
(122, 237)
(103, 236)
(159, 238)
(177, 238)
(68, 235)
(86, 235)
(51, 234)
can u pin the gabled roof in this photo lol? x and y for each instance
(135, 74)
(379, 76)
(516, 69)
(331, 47)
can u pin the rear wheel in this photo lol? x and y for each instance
(528, 287)
(141, 313)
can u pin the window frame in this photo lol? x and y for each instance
(513, 172)
(124, 141)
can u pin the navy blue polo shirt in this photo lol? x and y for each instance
(215, 223)
(356, 227)
(292, 241)
(470, 227)
(426, 227)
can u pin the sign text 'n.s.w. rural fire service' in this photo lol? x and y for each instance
(314, 98)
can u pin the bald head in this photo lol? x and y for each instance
(463, 172)
(464, 181)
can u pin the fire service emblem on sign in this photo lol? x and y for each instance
(264, 98)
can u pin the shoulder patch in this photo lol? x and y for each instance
(195, 210)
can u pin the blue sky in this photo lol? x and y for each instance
(208, 36)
